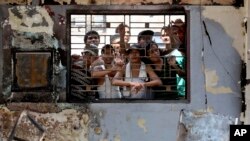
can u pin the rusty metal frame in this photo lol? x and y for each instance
(49, 87)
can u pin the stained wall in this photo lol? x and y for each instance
(217, 51)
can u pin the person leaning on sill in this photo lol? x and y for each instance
(136, 78)
(104, 73)
(82, 84)
(173, 49)
(166, 68)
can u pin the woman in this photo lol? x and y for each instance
(174, 47)
(167, 69)
(136, 76)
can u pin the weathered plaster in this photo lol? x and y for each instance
(141, 2)
(196, 2)
(120, 120)
(231, 23)
(117, 138)
(34, 40)
(142, 124)
(78, 2)
(145, 2)
(107, 2)
(68, 124)
(226, 2)
(30, 19)
(212, 83)
(1, 61)
(127, 2)
(247, 96)
(16, 2)
(208, 2)
(63, 1)
(204, 126)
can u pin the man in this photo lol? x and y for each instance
(104, 73)
(115, 42)
(81, 82)
(92, 38)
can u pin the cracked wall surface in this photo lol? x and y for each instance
(192, 122)
(215, 59)
(65, 124)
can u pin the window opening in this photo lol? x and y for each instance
(99, 41)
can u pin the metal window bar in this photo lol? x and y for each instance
(132, 25)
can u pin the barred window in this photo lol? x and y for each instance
(129, 54)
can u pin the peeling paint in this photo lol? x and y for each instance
(30, 19)
(34, 40)
(230, 28)
(69, 130)
(117, 138)
(63, 1)
(224, 1)
(211, 78)
(141, 123)
(98, 130)
(196, 2)
(204, 126)
(140, 2)
(15, 1)
(210, 109)
(208, 2)
(212, 81)
(79, 2)
(103, 140)
(69, 124)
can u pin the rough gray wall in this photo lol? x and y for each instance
(247, 52)
(215, 72)
(219, 95)
(1, 60)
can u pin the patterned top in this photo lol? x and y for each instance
(82, 85)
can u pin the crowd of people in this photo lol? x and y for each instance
(140, 70)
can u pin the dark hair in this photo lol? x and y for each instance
(135, 47)
(148, 46)
(106, 47)
(120, 27)
(114, 37)
(174, 39)
(145, 33)
(92, 32)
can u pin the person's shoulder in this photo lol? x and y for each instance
(77, 64)
(98, 62)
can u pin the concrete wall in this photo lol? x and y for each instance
(216, 51)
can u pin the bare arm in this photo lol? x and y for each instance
(118, 79)
(99, 71)
(173, 63)
(154, 79)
